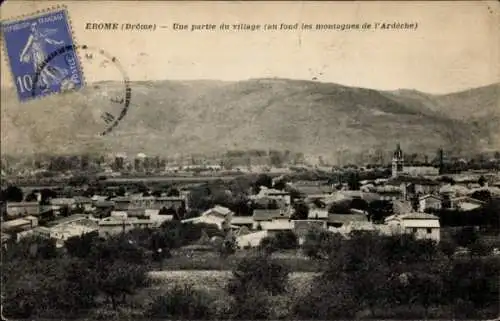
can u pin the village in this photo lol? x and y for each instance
(410, 198)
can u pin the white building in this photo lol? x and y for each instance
(251, 239)
(114, 225)
(423, 226)
(274, 194)
(218, 215)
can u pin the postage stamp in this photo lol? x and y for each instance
(29, 43)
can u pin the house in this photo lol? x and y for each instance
(70, 203)
(76, 218)
(281, 197)
(240, 221)
(278, 224)
(421, 170)
(313, 188)
(62, 232)
(353, 226)
(264, 215)
(429, 202)
(124, 203)
(19, 225)
(113, 225)
(465, 203)
(251, 239)
(389, 192)
(453, 190)
(317, 214)
(84, 203)
(218, 215)
(155, 216)
(366, 196)
(173, 202)
(423, 226)
(19, 209)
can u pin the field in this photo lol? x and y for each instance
(213, 280)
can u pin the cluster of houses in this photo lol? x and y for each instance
(125, 213)
(412, 198)
(250, 230)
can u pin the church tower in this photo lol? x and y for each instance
(397, 162)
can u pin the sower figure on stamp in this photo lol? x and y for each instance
(34, 52)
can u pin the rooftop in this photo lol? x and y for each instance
(346, 218)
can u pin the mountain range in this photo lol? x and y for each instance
(316, 118)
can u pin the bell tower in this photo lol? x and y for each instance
(397, 162)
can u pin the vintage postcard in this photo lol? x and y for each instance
(250, 160)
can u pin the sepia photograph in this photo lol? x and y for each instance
(250, 160)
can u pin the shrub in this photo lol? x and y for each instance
(260, 273)
(182, 302)
(286, 240)
(268, 244)
(250, 305)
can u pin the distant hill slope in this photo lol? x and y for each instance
(168, 117)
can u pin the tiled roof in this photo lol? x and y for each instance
(265, 215)
(22, 204)
(277, 225)
(367, 196)
(104, 204)
(412, 216)
(419, 216)
(430, 196)
(242, 220)
(345, 218)
(221, 210)
(170, 198)
(136, 211)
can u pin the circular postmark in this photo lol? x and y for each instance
(113, 108)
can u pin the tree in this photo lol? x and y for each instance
(258, 272)
(466, 236)
(286, 240)
(228, 246)
(447, 247)
(31, 197)
(301, 211)
(280, 184)
(121, 191)
(353, 181)
(378, 210)
(47, 194)
(268, 244)
(173, 192)
(320, 244)
(359, 204)
(81, 246)
(263, 180)
(482, 195)
(12, 194)
(182, 302)
(119, 279)
(482, 181)
(480, 248)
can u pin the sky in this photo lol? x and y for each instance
(456, 45)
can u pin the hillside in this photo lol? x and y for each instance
(167, 117)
